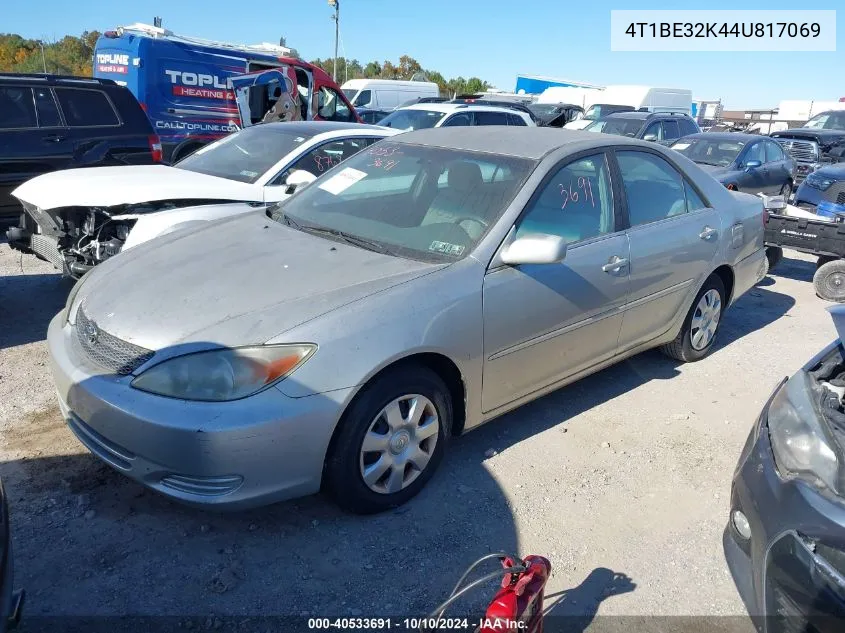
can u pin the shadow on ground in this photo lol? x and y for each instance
(27, 303)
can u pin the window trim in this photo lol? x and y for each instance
(452, 115)
(612, 151)
(550, 175)
(119, 123)
(34, 110)
(62, 124)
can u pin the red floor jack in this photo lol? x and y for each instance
(517, 606)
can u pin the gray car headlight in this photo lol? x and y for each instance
(223, 374)
(801, 447)
(819, 182)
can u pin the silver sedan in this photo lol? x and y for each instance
(428, 284)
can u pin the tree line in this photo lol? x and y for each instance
(73, 56)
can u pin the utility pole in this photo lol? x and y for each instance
(43, 59)
(336, 18)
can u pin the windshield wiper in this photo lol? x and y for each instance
(354, 240)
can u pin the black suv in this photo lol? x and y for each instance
(819, 142)
(49, 122)
(661, 127)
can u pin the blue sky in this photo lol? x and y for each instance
(491, 39)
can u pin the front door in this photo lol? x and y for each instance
(673, 235)
(545, 322)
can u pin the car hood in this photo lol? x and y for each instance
(129, 184)
(238, 281)
(836, 172)
(811, 134)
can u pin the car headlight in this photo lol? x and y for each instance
(821, 183)
(223, 374)
(800, 445)
(72, 295)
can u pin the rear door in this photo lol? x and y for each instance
(94, 127)
(674, 236)
(33, 139)
(780, 166)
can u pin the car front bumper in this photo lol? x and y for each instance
(791, 572)
(230, 455)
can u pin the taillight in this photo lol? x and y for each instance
(155, 148)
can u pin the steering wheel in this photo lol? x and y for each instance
(469, 218)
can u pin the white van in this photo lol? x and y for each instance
(635, 98)
(386, 94)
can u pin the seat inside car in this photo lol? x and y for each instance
(462, 197)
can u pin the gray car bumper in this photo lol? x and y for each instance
(230, 455)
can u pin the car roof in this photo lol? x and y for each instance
(312, 128)
(524, 142)
(727, 136)
(628, 115)
(448, 108)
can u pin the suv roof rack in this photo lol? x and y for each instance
(666, 114)
(58, 78)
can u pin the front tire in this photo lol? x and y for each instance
(698, 333)
(829, 281)
(391, 440)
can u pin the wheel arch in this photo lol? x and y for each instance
(726, 274)
(445, 368)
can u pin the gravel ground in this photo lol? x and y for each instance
(622, 480)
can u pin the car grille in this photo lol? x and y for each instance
(840, 197)
(803, 151)
(106, 350)
(835, 193)
(48, 248)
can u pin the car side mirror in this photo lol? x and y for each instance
(752, 164)
(539, 248)
(650, 137)
(298, 179)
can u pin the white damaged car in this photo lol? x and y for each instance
(77, 218)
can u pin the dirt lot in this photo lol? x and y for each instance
(622, 480)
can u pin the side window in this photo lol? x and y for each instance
(687, 127)
(86, 108)
(323, 157)
(694, 201)
(17, 108)
(755, 152)
(515, 119)
(331, 107)
(654, 132)
(491, 118)
(363, 99)
(654, 189)
(773, 152)
(576, 204)
(464, 118)
(45, 105)
(670, 130)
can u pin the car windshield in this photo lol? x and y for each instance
(413, 201)
(619, 127)
(244, 156)
(412, 119)
(827, 121)
(720, 153)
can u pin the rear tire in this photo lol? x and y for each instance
(699, 332)
(774, 254)
(829, 281)
(390, 443)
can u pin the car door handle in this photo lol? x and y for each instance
(54, 138)
(708, 233)
(615, 265)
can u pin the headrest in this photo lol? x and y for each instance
(464, 176)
